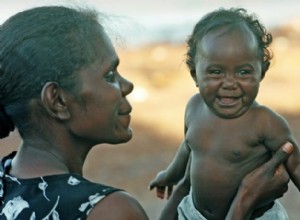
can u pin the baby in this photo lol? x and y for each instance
(227, 132)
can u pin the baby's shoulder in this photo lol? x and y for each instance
(264, 114)
(195, 101)
(263, 110)
(193, 104)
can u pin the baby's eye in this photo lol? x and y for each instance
(215, 72)
(110, 77)
(244, 73)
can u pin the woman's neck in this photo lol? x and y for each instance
(41, 160)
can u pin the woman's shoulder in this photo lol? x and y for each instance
(104, 201)
(68, 195)
(77, 182)
(118, 205)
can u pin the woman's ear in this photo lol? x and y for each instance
(54, 101)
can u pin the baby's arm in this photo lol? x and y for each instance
(174, 172)
(182, 189)
(177, 168)
(278, 132)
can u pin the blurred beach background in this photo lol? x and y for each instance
(150, 39)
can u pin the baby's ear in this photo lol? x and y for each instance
(265, 68)
(193, 74)
(54, 101)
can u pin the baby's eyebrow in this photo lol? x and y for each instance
(215, 65)
(245, 65)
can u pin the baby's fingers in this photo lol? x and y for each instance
(160, 192)
(153, 184)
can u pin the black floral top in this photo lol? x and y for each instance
(64, 196)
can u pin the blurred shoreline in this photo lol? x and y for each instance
(140, 22)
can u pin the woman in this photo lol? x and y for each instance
(60, 87)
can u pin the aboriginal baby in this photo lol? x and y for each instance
(227, 132)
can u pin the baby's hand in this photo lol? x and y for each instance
(161, 182)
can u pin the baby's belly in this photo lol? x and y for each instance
(215, 183)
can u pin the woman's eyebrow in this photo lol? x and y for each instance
(115, 63)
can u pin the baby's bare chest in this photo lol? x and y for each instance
(234, 141)
(223, 152)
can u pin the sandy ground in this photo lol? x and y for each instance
(162, 88)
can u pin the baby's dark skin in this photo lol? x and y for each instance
(220, 160)
(227, 133)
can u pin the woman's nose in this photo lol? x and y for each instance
(126, 86)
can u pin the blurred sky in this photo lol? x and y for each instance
(143, 21)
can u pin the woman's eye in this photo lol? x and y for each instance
(110, 76)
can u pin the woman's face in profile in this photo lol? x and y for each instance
(103, 113)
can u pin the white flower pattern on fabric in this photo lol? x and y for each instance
(21, 202)
(32, 217)
(42, 186)
(13, 179)
(53, 212)
(93, 199)
(73, 181)
(14, 207)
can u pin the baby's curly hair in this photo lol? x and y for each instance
(229, 18)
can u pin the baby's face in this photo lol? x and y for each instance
(228, 71)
